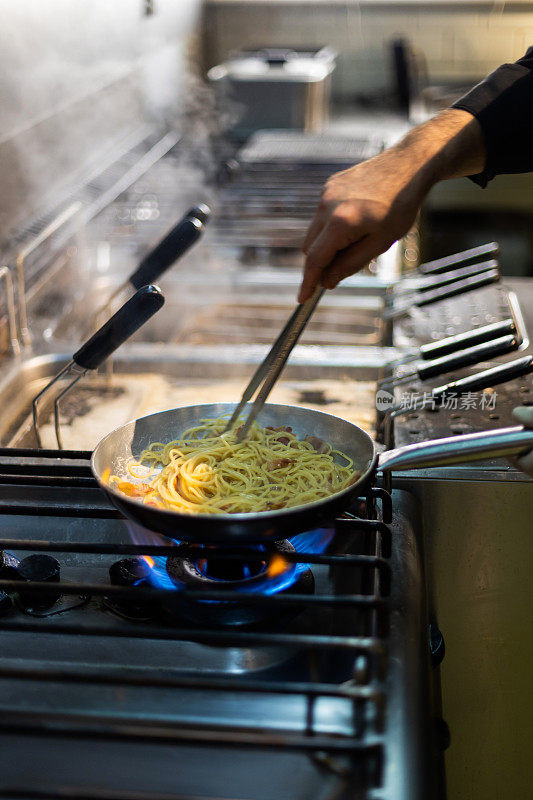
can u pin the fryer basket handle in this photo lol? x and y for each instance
(459, 287)
(493, 376)
(476, 354)
(499, 443)
(119, 327)
(177, 241)
(460, 341)
(464, 257)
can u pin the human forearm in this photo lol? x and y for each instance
(364, 209)
(448, 146)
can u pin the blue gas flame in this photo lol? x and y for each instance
(312, 542)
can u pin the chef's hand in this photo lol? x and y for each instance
(524, 415)
(364, 209)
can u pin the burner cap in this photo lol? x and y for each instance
(43, 568)
(209, 572)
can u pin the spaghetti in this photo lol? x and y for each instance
(207, 471)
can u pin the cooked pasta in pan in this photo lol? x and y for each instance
(206, 471)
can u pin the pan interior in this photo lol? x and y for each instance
(113, 454)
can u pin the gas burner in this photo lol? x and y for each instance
(130, 572)
(210, 571)
(43, 568)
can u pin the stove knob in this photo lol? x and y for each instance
(43, 568)
(131, 572)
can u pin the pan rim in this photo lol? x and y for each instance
(240, 516)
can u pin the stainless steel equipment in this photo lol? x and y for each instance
(277, 88)
(116, 694)
(477, 523)
(275, 184)
(326, 695)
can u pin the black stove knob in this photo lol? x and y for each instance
(129, 572)
(43, 568)
(132, 573)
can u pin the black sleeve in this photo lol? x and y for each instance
(503, 106)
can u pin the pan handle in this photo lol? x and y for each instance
(177, 241)
(120, 327)
(459, 449)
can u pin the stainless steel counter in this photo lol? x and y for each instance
(478, 525)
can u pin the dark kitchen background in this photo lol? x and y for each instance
(138, 136)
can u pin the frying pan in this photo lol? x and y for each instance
(113, 453)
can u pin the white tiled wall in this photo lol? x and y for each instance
(459, 40)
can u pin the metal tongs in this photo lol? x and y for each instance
(270, 368)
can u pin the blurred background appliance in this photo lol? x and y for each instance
(277, 88)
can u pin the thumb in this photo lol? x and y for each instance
(524, 415)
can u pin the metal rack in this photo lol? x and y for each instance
(276, 182)
(61, 224)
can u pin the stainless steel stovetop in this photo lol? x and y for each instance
(328, 696)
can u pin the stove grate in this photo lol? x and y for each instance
(59, 483)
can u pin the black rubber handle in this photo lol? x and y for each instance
(447, 278)
(443, 264)
(459, 287)
(460, 341)
(175, 244)
(489, 377)
(465, 358)
(120, 327)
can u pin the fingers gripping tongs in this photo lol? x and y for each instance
(270, 369)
